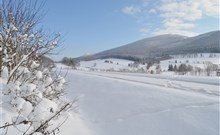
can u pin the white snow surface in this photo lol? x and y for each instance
(113, 104)
(139, 104)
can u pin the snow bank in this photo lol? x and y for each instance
(46, 108)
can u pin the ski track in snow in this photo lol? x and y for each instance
(171, 82)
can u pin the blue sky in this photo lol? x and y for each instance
(90, 26)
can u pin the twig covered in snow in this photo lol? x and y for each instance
(36, 94)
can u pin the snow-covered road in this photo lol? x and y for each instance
(113, 104)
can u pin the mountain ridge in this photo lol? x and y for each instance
(162, 46)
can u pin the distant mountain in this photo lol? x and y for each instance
(163, 46)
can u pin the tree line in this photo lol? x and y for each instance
(183, 69)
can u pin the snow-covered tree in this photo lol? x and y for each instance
(158, 69)
(34, 94)
(209, 67)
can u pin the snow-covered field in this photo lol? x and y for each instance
(110, 65)
(140, 104)
(114, 104)
(198, 60)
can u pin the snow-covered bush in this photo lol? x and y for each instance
(35, 95)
